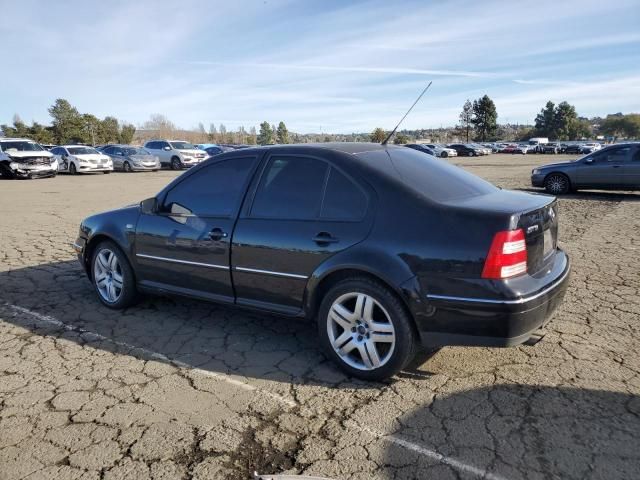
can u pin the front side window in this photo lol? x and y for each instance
(290, 188)
(213, 191)
(612, 155)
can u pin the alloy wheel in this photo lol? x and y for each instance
(557, 184)
(361, 331)
(107, 274)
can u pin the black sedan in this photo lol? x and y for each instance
(616, 167)
(383, 246)
(467, 150)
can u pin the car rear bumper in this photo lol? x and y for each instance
(493, 322)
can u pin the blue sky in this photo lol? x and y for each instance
(332, 65)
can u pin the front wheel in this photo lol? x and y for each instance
(106, 173)
(471, 154)
(112, 276)
(557, 184)
(365, 329)
(176, 164)
(72, 168)
(126, 167)
(444, 155)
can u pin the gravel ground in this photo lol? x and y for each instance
(182, 389)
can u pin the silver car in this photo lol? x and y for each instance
(131, 159)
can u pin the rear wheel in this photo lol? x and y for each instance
(176, 164)
(557, 184)
(472, 153)
(365, 329)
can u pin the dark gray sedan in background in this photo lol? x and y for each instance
(616, 167)
(130, 159)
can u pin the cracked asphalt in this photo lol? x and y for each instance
(174, 389)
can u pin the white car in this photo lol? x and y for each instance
(590, 147)
(442, 151)
(81, 159)
(176, 154)
(24, 158)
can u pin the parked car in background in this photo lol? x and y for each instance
(204, 146)
(573, 148)
(24, 158)
(550, 147)
(613, 167)
(217, 150)
(485, 150)
(440, 150)
(175, 154)
(75, 159)
(466, 150)
(131, 159)
(421, 148)
(319, 237)
(524, 148)
(590, 147)
(507, 148)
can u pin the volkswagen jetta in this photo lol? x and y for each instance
(384, 247)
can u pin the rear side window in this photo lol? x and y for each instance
(430, 177)
(291, 187)
(343, 199)
(214, 191)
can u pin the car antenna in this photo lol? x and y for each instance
(405, 115)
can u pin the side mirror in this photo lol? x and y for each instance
(167, 148)
(149, 206)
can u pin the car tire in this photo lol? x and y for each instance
(471, 154)
(557, 184)
(112, 276)
(72, 168)
(444, 155)
(176, 164)
(348, 337)
(126, 166)
(106, 173)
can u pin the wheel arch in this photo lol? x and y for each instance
(95, 241)
(559, 172)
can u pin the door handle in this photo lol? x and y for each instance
(325, 238)
(217, 234)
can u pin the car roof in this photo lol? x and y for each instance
(76, 145)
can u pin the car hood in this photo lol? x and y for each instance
(92, 156)
(32, 154)
(555, 165)
(143, 158)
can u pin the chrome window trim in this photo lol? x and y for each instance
(185, 262)
(502, 302)
(269, 272)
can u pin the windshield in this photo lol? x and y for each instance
(135, 151)
(182, 146)
(21, 146)
(82, 150)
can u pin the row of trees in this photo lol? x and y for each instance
(619, 125)
(560, 122)
(68, 125)
(269, 134)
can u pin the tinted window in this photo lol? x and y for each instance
(619, 154)
(428, 176)
(109, 150)
(291, 187)
(150, 145)
(343, 199)
(215, 190)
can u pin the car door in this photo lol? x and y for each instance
(601, 169)
(303, 211)
(631, 170)
(63, 159)
(115, 157)
(183, 246)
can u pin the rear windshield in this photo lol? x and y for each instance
(433, 178)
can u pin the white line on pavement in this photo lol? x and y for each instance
(452, 462)
(149, 353)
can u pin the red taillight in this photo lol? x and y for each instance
(507, 256)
